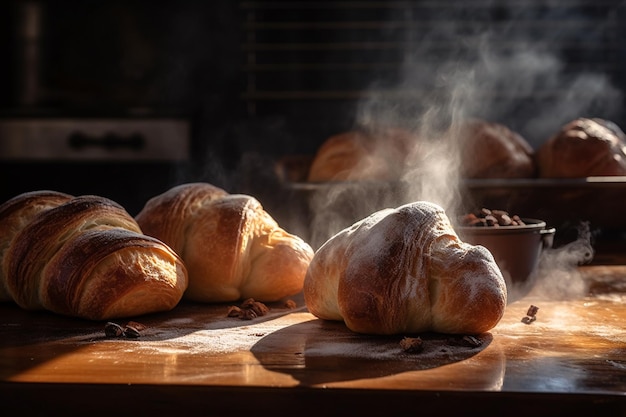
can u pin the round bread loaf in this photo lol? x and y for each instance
(405, 270)
(492, 150)
(377, 154)
(583, 148)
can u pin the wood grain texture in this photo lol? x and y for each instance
(571, 358)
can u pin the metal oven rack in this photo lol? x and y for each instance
(331, 64)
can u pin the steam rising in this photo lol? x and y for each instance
(557, 274)
(497, 70)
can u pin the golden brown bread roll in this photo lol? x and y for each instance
(362, 155)
(347, 156)
(583, 148)
(104, 274)
(15, 214)
(232, 247)
(405, 270)
(492, 150)
(88, 258)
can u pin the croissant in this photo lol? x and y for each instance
(232, 247)
(167, 215)
(405, 270)
(16, 213)
(88, 258)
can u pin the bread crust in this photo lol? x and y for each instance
(404, 271)
(373, 155)
(484, 150)
(492, 150)
(231, 246)
(113, 273)
(15, 214)
(583, 148)
(184, 200)
(87, 257)
(347, 156)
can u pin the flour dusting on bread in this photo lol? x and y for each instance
(405, 270)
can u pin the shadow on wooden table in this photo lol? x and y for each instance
(323, 352)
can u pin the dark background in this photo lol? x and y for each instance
(260, 80)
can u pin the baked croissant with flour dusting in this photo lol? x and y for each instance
(84, 257)
(232, 247)
(405, 270)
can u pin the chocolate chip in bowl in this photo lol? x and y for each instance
(515, 242)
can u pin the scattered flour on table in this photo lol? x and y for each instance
(186, 335)
(297, 332)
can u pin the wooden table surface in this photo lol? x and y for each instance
(195, 360)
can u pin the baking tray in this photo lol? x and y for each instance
(595, 204)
